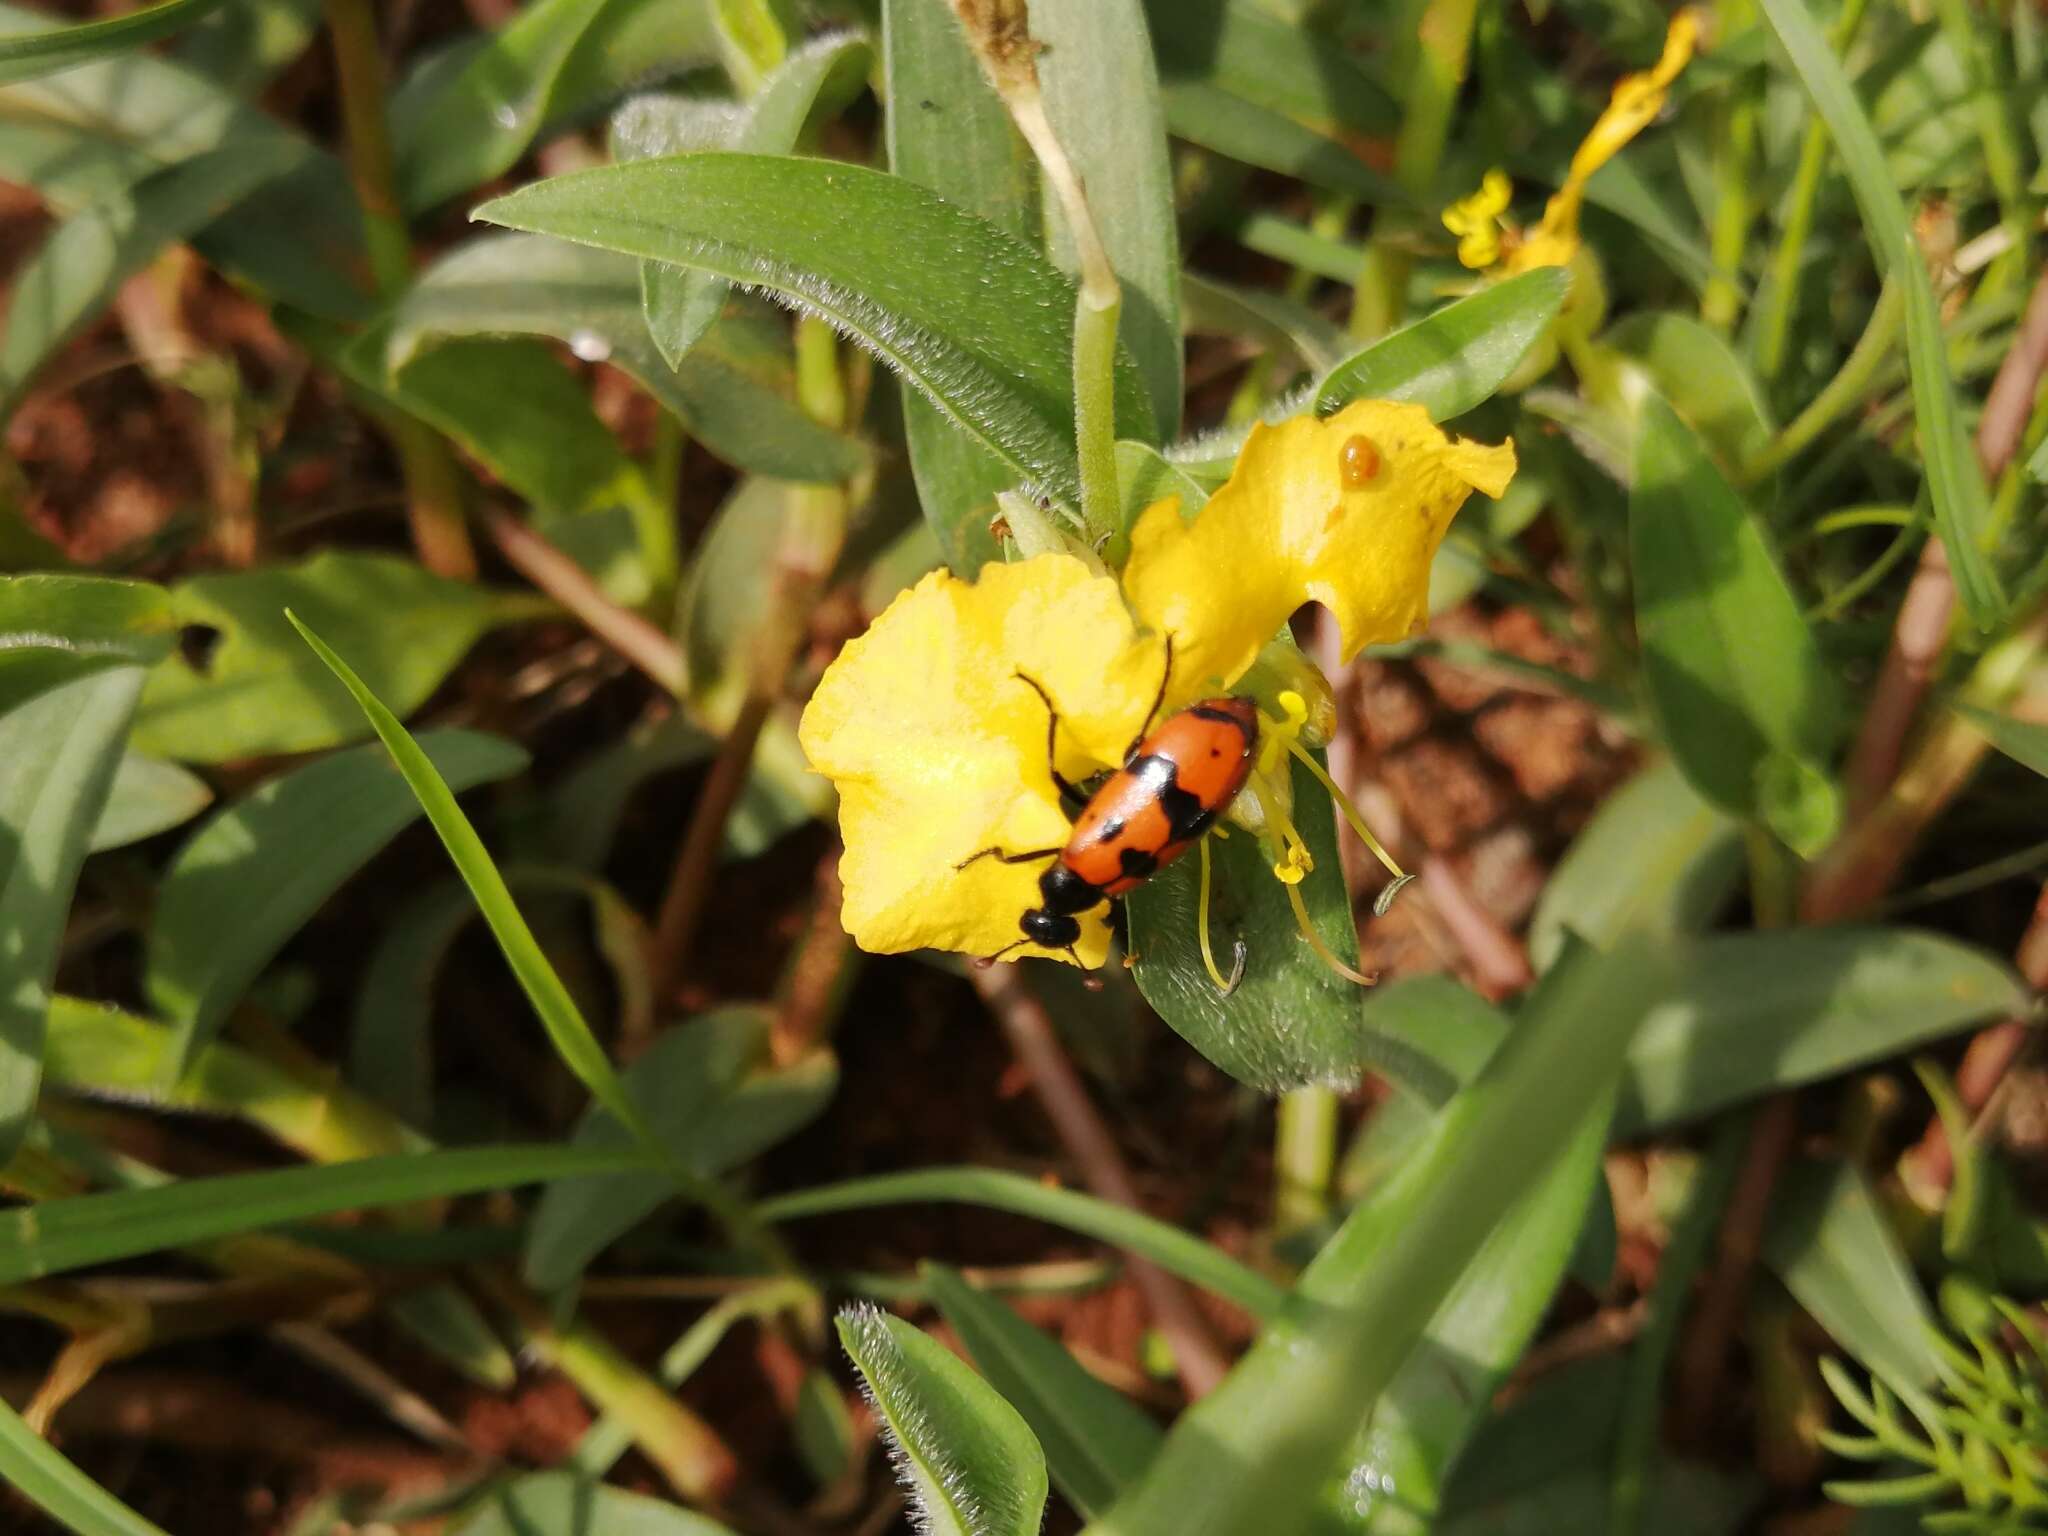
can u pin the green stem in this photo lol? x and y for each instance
(1095, 320)
(1775, 323)
(1734, 174)
(1841, 393)
(1444, 48)
(433, 484)
(1304, 1157)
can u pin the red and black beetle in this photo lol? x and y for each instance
(1175, 781)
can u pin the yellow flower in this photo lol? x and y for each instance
(933, 725)
(1637, 99)
(938, 748)
(1346, 511)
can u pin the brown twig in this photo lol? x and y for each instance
(1920, 633)
(638, 641)
(1080, 1129)
(1499, 960)
(1703, 1352)
(815, 984)
(690, 882)
(1990, 1055)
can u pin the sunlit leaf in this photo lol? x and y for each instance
(970, 1462)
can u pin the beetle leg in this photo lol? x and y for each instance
(1008, 858)
(1068, 792)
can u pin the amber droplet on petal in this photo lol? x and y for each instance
(1358, 461)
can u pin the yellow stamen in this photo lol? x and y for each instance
(1315, 942)
(1351, 813)
(1202, 933)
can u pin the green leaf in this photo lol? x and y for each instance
(454, 128)
(1962, 507)
(1702, 377)
(1211, 306)
(56, 1236)
(1291, 67)
(55, 629)
(57, 756)
(1751, 1013)
(1291, 1020)
(567, 1031)
(1829, 1242)
(731, 392)
(444, 1320)
(815, 82)
(586, 806)
(248, 687)
(566, 1504)
(948, 131)
(242, 47)
(1246, 1456)
(1144, 475)
(1450, 1032)
(2021, 740)
(977, 321)
(1227, 124)
(1457, 357)
(969, 1461)
(147, 797)
(1405, 1453)
(1732, 670)
(250, 878)
(390, 1045)
(715, 1095)
(1655, 859)
(1102, 94)
(75, 274)
(101, 127)
(41, 1474)
(1173, 1250)
(1096, 1442)
(23, 57)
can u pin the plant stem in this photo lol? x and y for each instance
(813, 532)
(1775, 323)
(1734, 172)
(1304, 1156)
(689, 1453)
(1841, 393)
(1095, 322)
(1444, 48)
(638, 641)
(1087, 1140)
(433, 485)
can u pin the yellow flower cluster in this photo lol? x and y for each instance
(931, 724)
(1485, 240)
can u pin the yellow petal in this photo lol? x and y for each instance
(938, 749)
(1636, 101)
(1290, 526)
(1475, 220)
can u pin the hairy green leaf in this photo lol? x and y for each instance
(977, 321)
(970, 1462)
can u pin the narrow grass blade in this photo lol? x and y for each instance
(44, 53)
(56, 1236)
(40, 1473)
(1167, 1246)
(256, 872)
(1961, 504)
(564, 1022)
